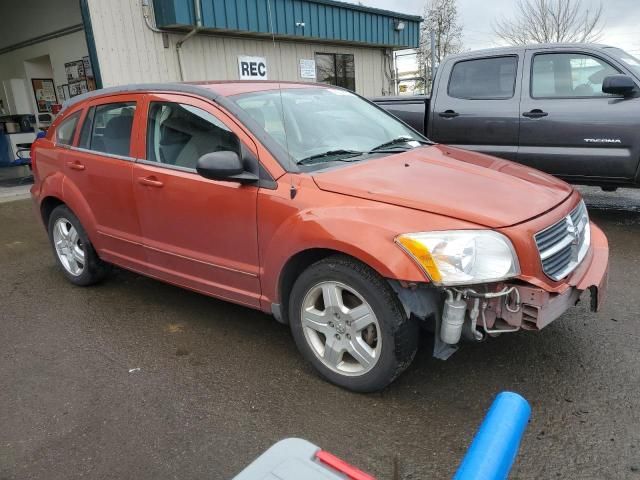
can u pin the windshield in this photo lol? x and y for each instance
(324, 124)
(631, 62)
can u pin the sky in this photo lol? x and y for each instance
(621, 19)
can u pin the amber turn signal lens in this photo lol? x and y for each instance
(421, 255)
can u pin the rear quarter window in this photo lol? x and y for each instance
(66, 129)
(484, 78)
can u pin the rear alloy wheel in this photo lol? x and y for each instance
(72, 249)
(68, 246)
(347, 321)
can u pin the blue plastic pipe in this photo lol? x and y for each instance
(495, 446)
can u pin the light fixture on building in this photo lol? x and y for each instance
(399, 25)
(300, 24)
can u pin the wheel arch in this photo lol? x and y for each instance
(47, 205)
(292, 269)
(300, 261)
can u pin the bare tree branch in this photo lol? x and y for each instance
(441, 17)
(551, 21)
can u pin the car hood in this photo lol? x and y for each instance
(449, 181)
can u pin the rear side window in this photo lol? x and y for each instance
(484, 79)
(179, 134)
(85, 133)
(110, 126)
(65, 131)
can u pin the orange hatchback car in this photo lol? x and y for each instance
(308, 202)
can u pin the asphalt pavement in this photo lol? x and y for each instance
(134, 378)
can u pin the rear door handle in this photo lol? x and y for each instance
(535, 113)
(448, 114)
(75, 165)
(150, 182)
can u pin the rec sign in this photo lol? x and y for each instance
(252, 68)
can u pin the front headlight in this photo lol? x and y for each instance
(462, 257)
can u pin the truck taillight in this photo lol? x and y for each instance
(351, 472)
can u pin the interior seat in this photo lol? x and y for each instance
(117, 136)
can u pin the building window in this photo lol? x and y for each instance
(336, 69)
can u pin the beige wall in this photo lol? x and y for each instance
(129, 52)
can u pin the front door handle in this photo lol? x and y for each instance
(150, 182)
(448, 114)
(535, 113)
(75, 165)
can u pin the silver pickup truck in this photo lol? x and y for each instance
(570, 110)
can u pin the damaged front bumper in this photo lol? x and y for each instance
(524, 303)
(539, 307)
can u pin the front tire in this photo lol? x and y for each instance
(348, 322)
(72, 249)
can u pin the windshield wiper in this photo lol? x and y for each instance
(397, 142)
(343, 154)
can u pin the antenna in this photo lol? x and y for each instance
(284, 122)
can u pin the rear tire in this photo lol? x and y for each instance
(72, 249)
(349, 324)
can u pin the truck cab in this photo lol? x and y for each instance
(570, 110)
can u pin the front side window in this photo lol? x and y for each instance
(111, 128)
(484, 79)
(314, 120)
(65, 131)
(336, 69)
(567, 75)
(179, 134)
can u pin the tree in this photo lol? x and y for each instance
(441, 17)
(551, 21)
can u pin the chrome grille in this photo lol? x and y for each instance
(563, 245)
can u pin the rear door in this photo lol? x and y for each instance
(198, 233)
(99, 168)
(476, 105)
(568, 126)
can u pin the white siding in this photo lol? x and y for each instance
(129, 52)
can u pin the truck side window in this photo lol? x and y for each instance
(484, 79)
(179, 134)
(568, 75)
(65, 131)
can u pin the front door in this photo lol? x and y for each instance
(568, 127)
(198, 233)
(479, 107)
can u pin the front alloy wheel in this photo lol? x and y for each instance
(341, 328)
(348, 322)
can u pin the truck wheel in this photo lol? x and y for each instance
(72, 249)
(348, 322)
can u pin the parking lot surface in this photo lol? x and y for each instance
(134, 378)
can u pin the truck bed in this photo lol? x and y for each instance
(412, 110)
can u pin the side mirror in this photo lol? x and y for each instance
(224, 165)
(618, 85)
